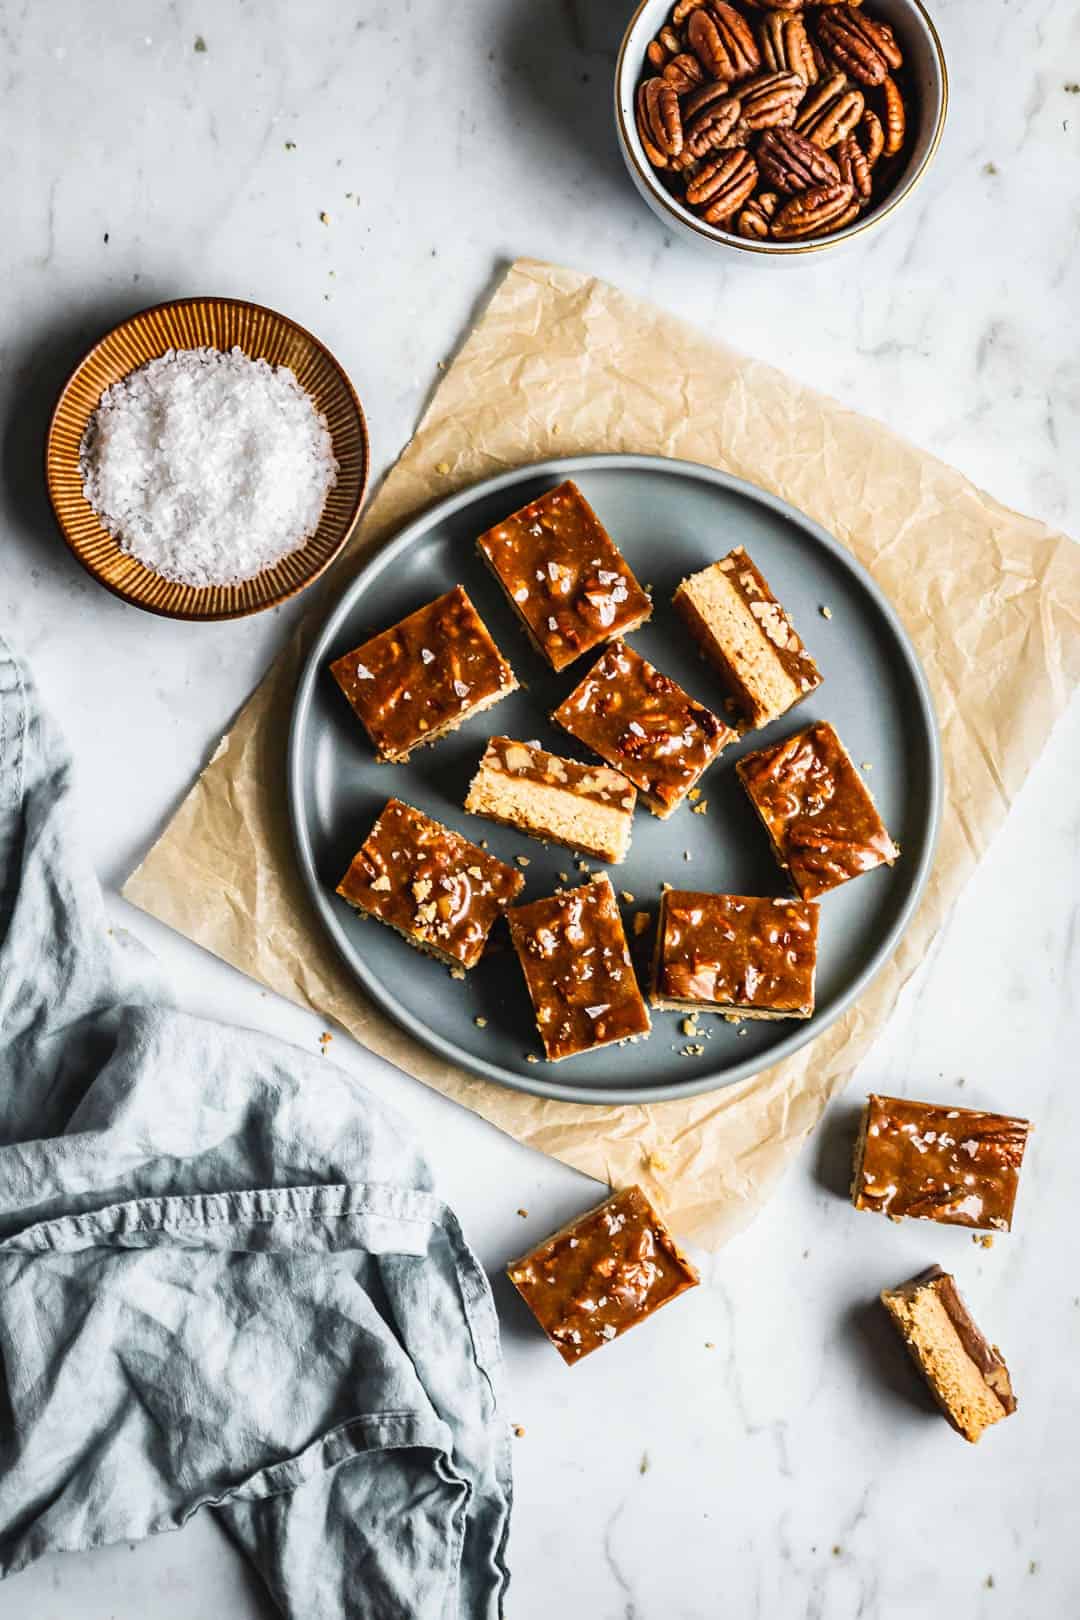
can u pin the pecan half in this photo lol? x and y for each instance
(851, 214)
(895, 117)
(792, 163)
(812, 212)
(830, 112)
(775, 5)
(661, 49)
(786, 47)
(720, 188)
(656, 157)
(697, 100)
(683, 8)
(723, 41)
(714, 127)
(861, 46)
(753, 220)
(770, 100)
(872, 135)
(659, 111)
(854, 166)
(684, 73)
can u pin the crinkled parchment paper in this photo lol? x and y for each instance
(563, 364)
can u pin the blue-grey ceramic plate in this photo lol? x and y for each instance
(670, 518)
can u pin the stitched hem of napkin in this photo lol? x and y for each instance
(204, 1212)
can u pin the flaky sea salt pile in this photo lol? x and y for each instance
(208, 467)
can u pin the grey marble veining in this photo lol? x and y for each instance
(761, 1450)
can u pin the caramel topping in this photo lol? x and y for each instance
(959, 1166)
(602, 1274)
(564, 574)
(816, 808)
(576, 962)
(739, 951)
(644, 724)
(424, 675)
(430, 883)
(528, 760)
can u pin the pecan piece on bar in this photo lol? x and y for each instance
(753, 220)
(713, 128)
(830, 112)
(723, 41)
(770, 100)
(895, 122)
(720, 188)
(792, 163)
(660, 113)
(812, 212)
(858, 44)
(785, 45)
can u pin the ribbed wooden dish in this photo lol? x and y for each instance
(216, 323)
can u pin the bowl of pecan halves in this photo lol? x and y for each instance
(778, 126)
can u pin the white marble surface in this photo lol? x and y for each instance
(791, 1470)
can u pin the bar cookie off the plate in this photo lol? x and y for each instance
(644, 725)
(565, 577)
(745, 956)
(437, 890)
(576, 962)
(602, 1274)
(424, 676)
(747, 637)
(959, 1166)
(585, 807)
(818, 812)
(966, 1374)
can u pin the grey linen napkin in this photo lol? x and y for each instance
(225, 1279)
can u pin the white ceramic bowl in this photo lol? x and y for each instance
(924, 59)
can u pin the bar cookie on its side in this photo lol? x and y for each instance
(747, 637)
(966, 1374)
(584, 807)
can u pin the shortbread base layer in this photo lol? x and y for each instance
(726, 631)
(936, 1346)
(552, 813)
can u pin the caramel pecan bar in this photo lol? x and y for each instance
(966, 1374)
(645, 725)
(586, 807)
(425, 676)
(602, 1274)
(574, 955)
(564, 575)
(747, 637)
(959, 1166)
(436, 889)
(816, 808)
(741, 955)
